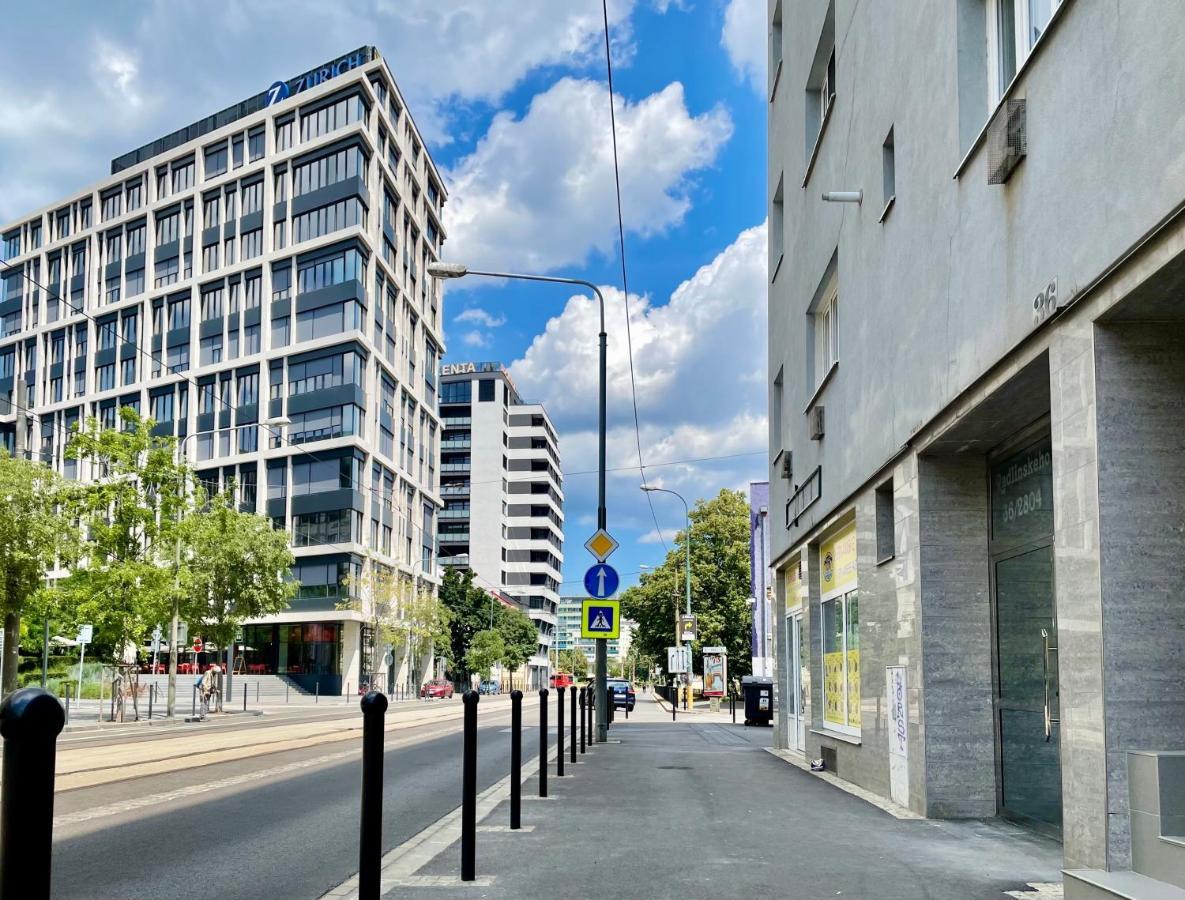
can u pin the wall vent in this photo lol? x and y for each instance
(1007, 140)
(817, 423)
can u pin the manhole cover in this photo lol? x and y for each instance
(676, 768)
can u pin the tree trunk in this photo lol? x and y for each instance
(12, 646)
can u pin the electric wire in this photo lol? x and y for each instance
(625, 285)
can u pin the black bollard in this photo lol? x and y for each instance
(516, 759)
(573, 757)
(370, 841)
(244, 696)
(317, 695)
(543, 742)
(469, 790)
(151, 695)
(732, 701)
(674, 700)
(559, 724)
(30, 721)
(583, 716)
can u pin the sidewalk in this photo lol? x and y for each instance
(699, 809)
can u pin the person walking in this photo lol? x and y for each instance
(209, 687)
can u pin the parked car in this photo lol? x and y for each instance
(439, 689)
(490, 687)
(624, 696)
(562, 680)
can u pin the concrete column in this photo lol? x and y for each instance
(1077, 593)
(956, 637)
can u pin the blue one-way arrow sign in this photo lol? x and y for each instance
(601, 581)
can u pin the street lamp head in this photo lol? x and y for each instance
(277, 422)
(447, 270)
(647, 488)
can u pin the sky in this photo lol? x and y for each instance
(512, 98)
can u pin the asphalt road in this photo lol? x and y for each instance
(291, 833)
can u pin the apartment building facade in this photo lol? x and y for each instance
(503, 515)
(255, 284)
(976, 492)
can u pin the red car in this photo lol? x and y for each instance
(439, 689)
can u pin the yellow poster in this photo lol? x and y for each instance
(853, 688)
(833, 710)
(837, 560)
(795, 588)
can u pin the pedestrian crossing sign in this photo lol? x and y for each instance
(601, 619)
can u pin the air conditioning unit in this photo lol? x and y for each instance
(817, 423)
(1007, 140)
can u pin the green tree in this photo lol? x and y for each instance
(33, 535)
(520, 637)
(423, 628)
(486, 650)
(237, 566)
(572, 661)
(719, 586)
(130, 513)
(470, 611)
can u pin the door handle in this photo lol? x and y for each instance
(1046, 649)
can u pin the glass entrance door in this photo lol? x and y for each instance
(795, 668)
(1027, 716)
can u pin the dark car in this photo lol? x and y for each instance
(623, 694)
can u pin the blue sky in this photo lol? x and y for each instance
(512, 96)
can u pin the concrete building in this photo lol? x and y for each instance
(503, 514)
(976, 476)
(761, 587)
(264, 263)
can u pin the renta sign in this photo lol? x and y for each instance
(470, 368)
(282, 90)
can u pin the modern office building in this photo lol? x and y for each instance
(503, 515)
(264, 264)
(976, 364)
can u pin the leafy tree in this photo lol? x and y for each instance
(520, 637)
(486, 650)
(719, 586)
(470, 610)
(130, 512)
(237, 567)
(422, 627)
(33, 535)
(572, 661)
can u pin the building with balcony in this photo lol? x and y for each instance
(976, 364)
(503, 515)
(264, 264)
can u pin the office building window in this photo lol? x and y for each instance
(215, 159)
(281, 331)
(168, 228)
(250, 339)
(236, 151)
(485, 390)
(284, 132)
(1013, 27)
(328, 320)
(279, 236)
(254, 290)
(252, 244)
(108, 334)
(888, 173)
(178, 313)
(167, 272)
(327, 219)
(325, 424)
(128, 370)
(331, 117)
(334, 527)
(135, 195)
(135, 282)
(330, 371)
(162, 407)
(255, 141)
(228, 251)
(211, 303)
(105, 377)
(210, 351)
(210, 258)
(319, 476)
(349, 265)
(135, 234)
(178, 358)
(326, 170)
(277, 482)
(183, 176)
(111, 205)
(210, 207)
(252, 198)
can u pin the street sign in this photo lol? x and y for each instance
(688, 628)
(197, 645)
(601, 581)
(600, 619)
(156, 636)
(182, 634)
(601, 545)
(389, 659)
(85, 633)
(678, 660)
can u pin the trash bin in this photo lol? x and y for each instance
(759, 699)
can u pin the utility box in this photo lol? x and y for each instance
(759, 699)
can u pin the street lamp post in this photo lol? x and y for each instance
(650, 489)
(456, 270)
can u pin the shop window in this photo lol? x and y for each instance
(840, 614)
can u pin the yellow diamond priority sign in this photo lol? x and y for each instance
(601, 545)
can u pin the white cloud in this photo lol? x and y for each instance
(475, 339)
(537, 192)
(745, 38)
(481, 317)
(700, 366)
(116, 71)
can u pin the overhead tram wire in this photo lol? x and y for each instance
(625, 284)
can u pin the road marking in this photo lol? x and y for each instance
(400, 865)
